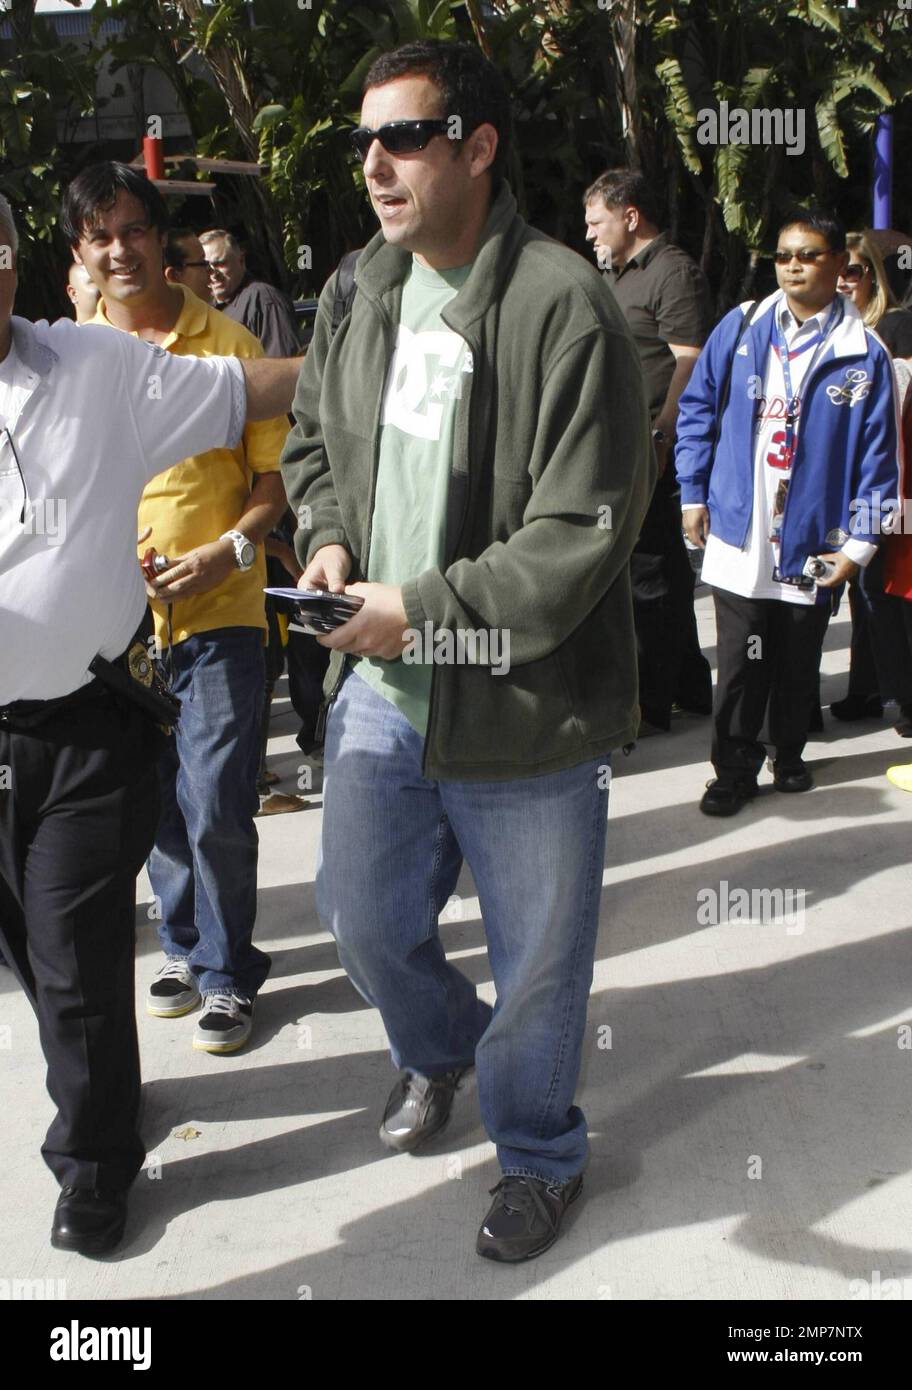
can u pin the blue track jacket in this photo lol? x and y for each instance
(846, 465)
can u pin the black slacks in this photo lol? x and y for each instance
(76, 824)
(769, 657)
(670, 663)
(307, 662)
(881, 661)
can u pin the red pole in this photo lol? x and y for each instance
(154, 156)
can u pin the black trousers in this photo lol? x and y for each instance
(307, 662)
(881, 659)
(76, 825)
(769, 658)
(671, 665)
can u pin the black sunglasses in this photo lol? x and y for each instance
(398, 137)
(855, 271)
(808, 256)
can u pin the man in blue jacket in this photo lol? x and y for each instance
(787, 451)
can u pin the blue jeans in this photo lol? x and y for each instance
(393, 845)
(203, 867)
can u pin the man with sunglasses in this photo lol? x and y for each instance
(473, 449)
(87, 418)
(787, 450)
(259, 307)
(185, 263)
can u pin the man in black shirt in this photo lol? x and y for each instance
(260, 307)
(665, 298)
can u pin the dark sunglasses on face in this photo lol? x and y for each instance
(854, 271)
(398, 137)
(807, 256)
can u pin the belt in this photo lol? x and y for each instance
(131, 676)
(28, 713)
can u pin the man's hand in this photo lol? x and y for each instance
(201, 569)
(284, 553)
(695, 521)
(329, 569)
(377, 629)
(845, 569)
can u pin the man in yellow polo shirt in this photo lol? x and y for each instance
(209, 515)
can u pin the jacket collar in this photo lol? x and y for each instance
(849, 339)
(382, 267)
(36, 355)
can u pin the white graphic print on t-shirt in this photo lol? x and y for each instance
(425, 373)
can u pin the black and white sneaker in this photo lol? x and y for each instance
(174, 990)
(225, 1023)
(418, 1108)
(525, 1217)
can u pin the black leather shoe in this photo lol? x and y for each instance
(88, 1222)
(855, 707)
(726, 795)
(903, 725)
(525, 1217)
(796, 777)
(418, 1108)
(697, 707)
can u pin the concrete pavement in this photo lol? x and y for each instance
(747, 1082)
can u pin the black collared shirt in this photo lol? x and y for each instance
(665, 298)
(267, 313)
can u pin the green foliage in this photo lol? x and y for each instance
(595, 83)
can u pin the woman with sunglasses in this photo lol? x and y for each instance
(881, 656)
(865, 282)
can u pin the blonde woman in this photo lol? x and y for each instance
(865, 282)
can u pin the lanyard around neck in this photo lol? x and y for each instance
(793, 404)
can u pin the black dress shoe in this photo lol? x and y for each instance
(796, 777)
(698, 707)
(855, 707)
(726, 795)
(903, 725)
(88, 1222)
(525, 1217)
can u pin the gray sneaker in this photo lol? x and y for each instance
(418, 1108)
(225, 1023)
(174, 991)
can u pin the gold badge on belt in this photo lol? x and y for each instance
(139, 664)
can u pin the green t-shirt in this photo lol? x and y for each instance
(408, 526)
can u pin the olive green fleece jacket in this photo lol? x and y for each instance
(551, 475)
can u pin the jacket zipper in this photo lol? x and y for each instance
(323, 713)
(448, 559)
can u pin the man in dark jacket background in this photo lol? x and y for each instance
(263, 310)
(665, 298)
(472, 449)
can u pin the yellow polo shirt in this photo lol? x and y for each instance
(203, 496)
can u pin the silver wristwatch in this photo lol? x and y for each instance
(244, 549)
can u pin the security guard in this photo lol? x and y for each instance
(78, 800)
